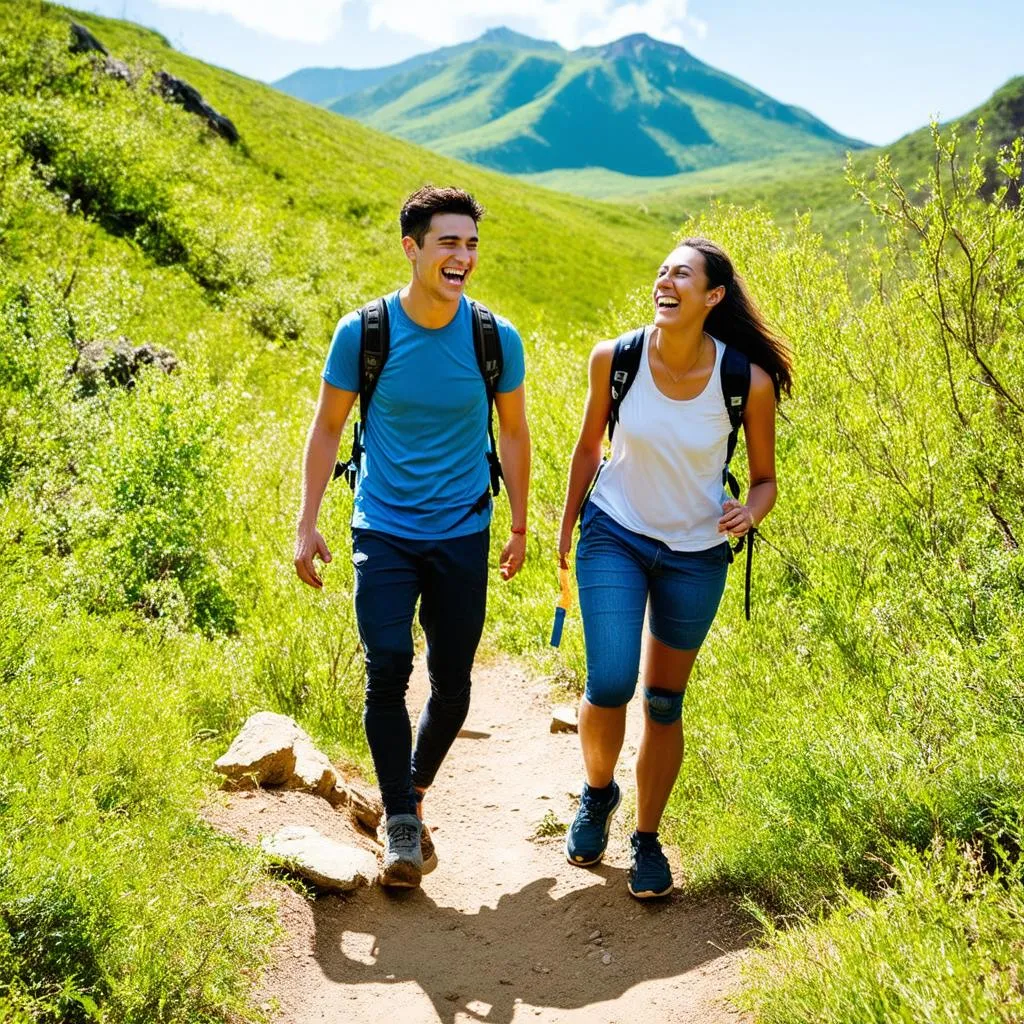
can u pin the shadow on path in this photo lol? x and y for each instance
(532, 946)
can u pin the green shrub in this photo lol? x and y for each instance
(942, 945)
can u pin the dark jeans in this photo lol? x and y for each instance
(450, 579)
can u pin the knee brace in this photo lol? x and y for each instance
(663, 706)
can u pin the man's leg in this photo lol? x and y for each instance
(452, 610)
(386, 588)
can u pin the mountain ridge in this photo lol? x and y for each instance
(520, 105)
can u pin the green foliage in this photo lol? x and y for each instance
(870, 715)
(942, 945)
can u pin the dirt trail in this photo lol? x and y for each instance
(501, 931)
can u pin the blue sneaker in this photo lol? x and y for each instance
(649, 873)
(588, 833)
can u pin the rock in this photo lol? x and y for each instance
(364, 806)
(261, 753)
(114, 68)
(175, 90)
(272, 750)
(313, 772)
(322, 861)
(563, 719)
(606, 957)
(594, 935)
(116, 363)
(83, 41)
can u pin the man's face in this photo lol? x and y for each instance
(447, 257)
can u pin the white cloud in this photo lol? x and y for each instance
(572, 23)
(305, 21)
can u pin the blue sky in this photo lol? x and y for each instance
(874, 70)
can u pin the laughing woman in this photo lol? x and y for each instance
(653, 535)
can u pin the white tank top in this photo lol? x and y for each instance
(664, 477)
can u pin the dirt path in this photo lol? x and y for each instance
(504, 930)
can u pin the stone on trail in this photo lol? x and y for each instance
(272, 750)
(563, 719)
(262, 753)
(363, 805)
(325, 863)
(313, 772)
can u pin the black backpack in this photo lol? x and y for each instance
(374, 345)
(735, 377)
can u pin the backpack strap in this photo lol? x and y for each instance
(491, 360)
(735, 376)
(625, 365)
(374, 345)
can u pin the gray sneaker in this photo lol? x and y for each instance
(427, 851)
(402, 862)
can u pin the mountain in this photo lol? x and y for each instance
(636, 106)
(326, 86)
(784, 186)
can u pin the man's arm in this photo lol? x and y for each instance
(514, 450)
(321, 453)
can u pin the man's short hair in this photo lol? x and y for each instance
(421, 206)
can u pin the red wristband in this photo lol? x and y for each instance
(521, 530)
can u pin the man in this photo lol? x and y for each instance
(421, 515)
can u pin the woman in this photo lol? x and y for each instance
(654, 531)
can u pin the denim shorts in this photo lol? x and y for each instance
(621, 574)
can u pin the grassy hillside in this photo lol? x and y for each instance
(147, 598)
(855, 754)
(786, 186)
(525, 106)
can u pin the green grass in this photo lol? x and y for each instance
(868, 717)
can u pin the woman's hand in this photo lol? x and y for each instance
(736, 520)
(564, 547)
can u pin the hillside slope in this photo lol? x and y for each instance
(814, 184)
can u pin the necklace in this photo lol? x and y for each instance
(677, 377)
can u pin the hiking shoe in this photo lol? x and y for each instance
(649, 873)
(588, 833)
(402, 862)
(427, 851)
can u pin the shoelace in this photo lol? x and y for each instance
(647, 846)
(590, 809)
(403, 834)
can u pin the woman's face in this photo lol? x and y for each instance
(681, 295)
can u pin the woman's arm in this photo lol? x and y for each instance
(586, 456)
(759, 428)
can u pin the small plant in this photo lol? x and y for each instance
(549, 827)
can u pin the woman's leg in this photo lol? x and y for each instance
(661, 744)
(685, 594)
(613, 595)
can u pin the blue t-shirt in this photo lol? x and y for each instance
(424, 463)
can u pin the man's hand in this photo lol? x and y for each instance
(309, 544)
(513, 555)
(737, 519)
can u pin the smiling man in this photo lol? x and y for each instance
(422, 509)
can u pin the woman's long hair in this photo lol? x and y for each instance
(738, 322)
